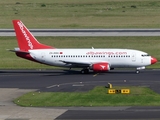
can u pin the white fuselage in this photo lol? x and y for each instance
(98, 60)
(85, 57)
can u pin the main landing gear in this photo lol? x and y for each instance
(137, 71)
(85, 71)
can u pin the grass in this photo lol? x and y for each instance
(81, 14)
(139, 96)
(9, 60)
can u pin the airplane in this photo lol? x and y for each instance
(97, 60)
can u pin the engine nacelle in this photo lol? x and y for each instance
(100, 67)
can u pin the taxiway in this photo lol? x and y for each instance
(69, 81)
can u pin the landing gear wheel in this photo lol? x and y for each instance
(85, 71)
(137, 71)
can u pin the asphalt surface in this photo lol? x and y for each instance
(86, 32)
(70, 81)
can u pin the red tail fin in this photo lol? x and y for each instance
(26, 40)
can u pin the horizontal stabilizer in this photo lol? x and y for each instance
(18, 51)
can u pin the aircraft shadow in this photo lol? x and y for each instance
(63, 72)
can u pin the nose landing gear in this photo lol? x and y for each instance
(139, 68)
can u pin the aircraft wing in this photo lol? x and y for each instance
(76, 63)
(81, 63)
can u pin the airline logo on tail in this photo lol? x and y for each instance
(26, 41)
(21, 26)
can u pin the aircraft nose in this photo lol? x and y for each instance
(153, 60)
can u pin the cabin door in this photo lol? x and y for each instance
(133, 57)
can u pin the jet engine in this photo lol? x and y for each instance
(100, 67)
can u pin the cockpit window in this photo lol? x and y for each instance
(145, 55)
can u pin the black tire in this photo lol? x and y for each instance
(137, 71)
(85, 71)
